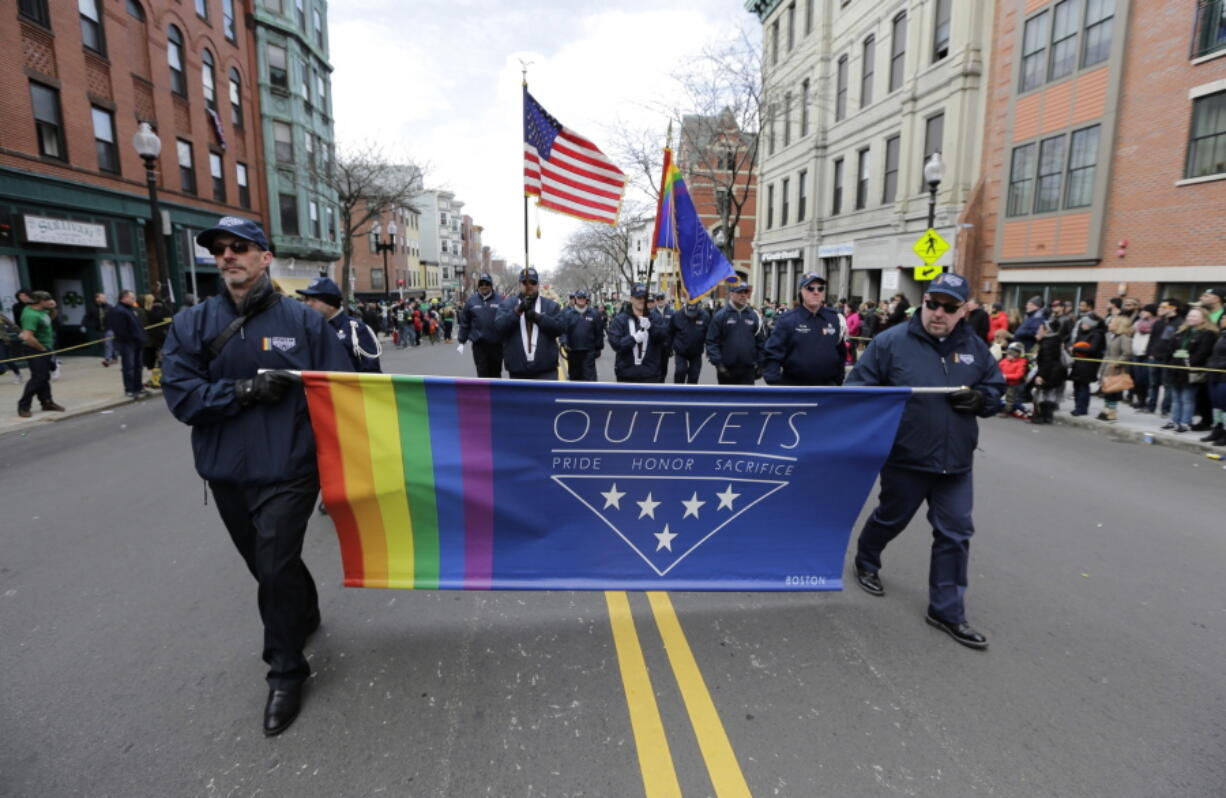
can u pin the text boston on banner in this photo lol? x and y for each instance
(472, 484)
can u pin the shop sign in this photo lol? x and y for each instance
(45, 230)
(782, 254)
(837, 250)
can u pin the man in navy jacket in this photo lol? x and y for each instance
(529, 325)
(357, 339)
(688, 335)
(934, 448)
(477, 327)
(735, 339)
(638, 337)
(807, 346)
(584, 338)
(252, 439)
(123, 323)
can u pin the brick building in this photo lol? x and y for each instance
(397, 273)
(74, 207)
(1104, 161)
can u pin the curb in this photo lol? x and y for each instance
(1132, 435)
(83, 410)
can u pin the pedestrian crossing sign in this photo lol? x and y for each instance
(930, 247)
(927, 272)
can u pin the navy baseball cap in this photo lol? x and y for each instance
(810, 277)
(321, 286)
(581, 294)
(235, 226)
(949, 283)
(529, 274)
(484, 278)
(739, 287)
(638, 290)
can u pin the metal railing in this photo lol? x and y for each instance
(1209, 35)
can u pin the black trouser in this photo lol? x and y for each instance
(648, 378)
(39, 383)
(539, 375)
(686, 368)
(737, 375)
(488, 359)
(130, 364)
(267, 524)
(581, 365)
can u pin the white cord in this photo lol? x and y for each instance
(358, 351)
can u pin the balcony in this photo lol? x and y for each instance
(1210, 33)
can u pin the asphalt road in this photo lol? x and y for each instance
(129, 649)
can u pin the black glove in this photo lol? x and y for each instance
(527, 304)
(267, 387)
(967, 401)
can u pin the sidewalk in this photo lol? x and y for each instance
(85, 386)
(1134, 426)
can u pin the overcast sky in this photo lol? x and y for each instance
(439, 81)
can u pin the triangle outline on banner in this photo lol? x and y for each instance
(777, 485)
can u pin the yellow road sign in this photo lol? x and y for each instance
(927, 272)
(930, 247)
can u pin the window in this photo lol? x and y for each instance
(174, 56)
(898, 51)
(804, 108)
(890, 189)
(783, 203)
(1051, 175)
(1207, 146)
(1210, 34)
(244, 190)
(278, 74)
(1096, 42)
(775, 42)
(218, 175)
(808, 17)
(770, 206)
(207, 79)
(1034, 42)
(1083, 155)
(289, 214)
(134, 9)
(236, 98)
(304, 80)
(791, 27)
(47, 122)
(1021, 181)
(770, 133)
(376, 280)
(313, 208)
(862, 178)
(836, 201)
(721, 203)
(787, 119)
(35, 11)
(301, 6)
(104, 140)
(227, 18)
(91, 26)
(331, 223)
(866, 79)
(321, 91)
(308, 147)
(940, 31)
(934, 132)
(283, 136)
(276, 6)
(840, 91)
(1063, 58)
(802, 181)
(187, 167)
(318, 19)
(202, 8)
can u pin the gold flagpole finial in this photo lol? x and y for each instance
(524, 68)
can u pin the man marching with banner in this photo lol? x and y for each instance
(934, 448)
(530, 325)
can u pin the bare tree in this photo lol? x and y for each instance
(599, 255)
(368, 184)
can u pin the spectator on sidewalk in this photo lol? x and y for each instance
(978, 320)
(1161, 347)
(1217, 385)
(1119, 348)
(123, 322)
(1000, 341)
(1211, 301)
(94, 326)
(156, 313)
(10, 347)
(1142, 374)
(38, 336)
(998, 320)
(1194, 343)
(1088, 348)
(1014, 367)
(1051, 375)
(1027, 331)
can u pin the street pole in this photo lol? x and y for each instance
(155, 210)
(932, 204)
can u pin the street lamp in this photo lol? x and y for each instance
(385, 248)
(934, 171)
(148, 147)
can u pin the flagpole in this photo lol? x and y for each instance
(651, 264)
(525, 138)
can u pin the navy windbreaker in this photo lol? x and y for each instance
(477, 320)
(260, 444)
(689, 335)
(932, 436)
(735, 337)
(635, 360)
(805, 349)
(516, 338)
(365, 360)
(584, 329)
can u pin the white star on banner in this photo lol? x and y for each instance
(665, 538)
(648, 507)
(726, 498)
(613, 497)
(691, 507)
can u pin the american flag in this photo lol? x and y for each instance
(566, 172)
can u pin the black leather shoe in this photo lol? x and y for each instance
(963, 632)
(281, 709)
(869, 581)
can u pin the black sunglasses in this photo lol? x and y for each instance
(814, 287)
(238, 247)
(529, 282)
(948, 307)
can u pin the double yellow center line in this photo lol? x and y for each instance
(655, 758)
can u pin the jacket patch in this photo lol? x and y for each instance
(283, 344)
(968, 359)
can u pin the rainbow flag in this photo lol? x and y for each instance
(679, 228)
(437, 482)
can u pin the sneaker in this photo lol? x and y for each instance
(1168, 425)
(24, 413)
(1183, 428)
(54, 406)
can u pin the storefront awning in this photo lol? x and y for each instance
(288, 285)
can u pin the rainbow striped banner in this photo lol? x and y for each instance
(449, 483)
